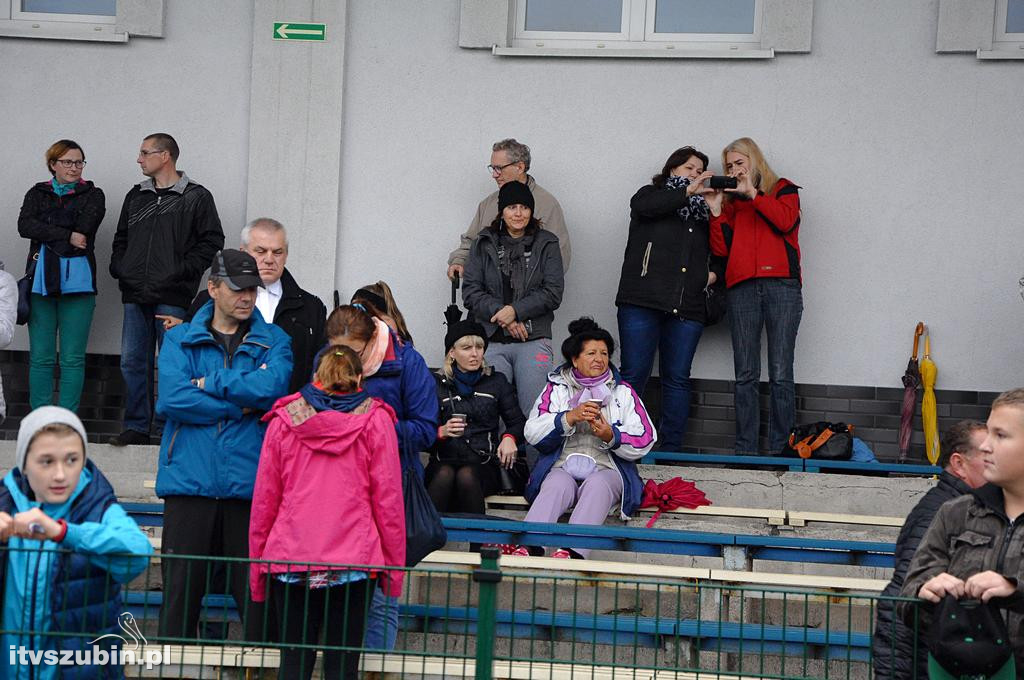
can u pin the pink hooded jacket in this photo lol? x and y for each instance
(328, 490)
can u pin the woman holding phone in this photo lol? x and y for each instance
(472, 458)
(756, 225)
(663, 288)
(590, 428)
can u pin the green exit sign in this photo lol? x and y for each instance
(288, 30)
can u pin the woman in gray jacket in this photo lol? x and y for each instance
(513, 285)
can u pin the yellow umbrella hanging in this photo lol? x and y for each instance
(929, 419)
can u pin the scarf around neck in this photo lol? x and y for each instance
(322, 400)
(697, 207)
(590, 388)
(466, 381)
(514, 260)
(376, 349)
(62, 189)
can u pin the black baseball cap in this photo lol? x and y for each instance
(236, 268)
(969, 640)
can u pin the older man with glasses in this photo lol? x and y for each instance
(510, 162)
(166, 237)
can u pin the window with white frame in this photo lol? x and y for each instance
(638, 24)
(95, 20)
(1009, 29)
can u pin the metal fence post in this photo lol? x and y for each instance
(487, 575)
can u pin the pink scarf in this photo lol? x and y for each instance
(593, 388)
(376, 349)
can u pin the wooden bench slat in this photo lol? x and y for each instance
(800, 518)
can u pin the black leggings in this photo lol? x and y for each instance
(457, 488)
(336, 613)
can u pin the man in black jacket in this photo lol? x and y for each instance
(892, 647)
(166, 237)
(297, 312)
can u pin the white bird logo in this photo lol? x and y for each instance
(125, 622)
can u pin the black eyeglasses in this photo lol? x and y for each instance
(498, 168)
(69, 163)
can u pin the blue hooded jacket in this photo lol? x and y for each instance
(405, 384)
(211, 448)
(72, 587)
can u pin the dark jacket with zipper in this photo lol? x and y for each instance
(212, 439)
(482, 291)
(302, 316)
(667, 260)
(164, 242)
(493, 401)
(892, 647)
(48, 219)
(969, 535)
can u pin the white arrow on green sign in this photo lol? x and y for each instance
(286, 30)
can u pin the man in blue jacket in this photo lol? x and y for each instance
(218, 375)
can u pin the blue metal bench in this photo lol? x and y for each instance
(737, 549)
(643, 630)
(647, 631)
(791, 464)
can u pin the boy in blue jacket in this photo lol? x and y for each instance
(62, 525)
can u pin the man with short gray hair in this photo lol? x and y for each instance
(281, 301)
(510, 162)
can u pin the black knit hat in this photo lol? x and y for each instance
(969, 638)
(513, 193)
(461, 329)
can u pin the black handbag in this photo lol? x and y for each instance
(25, 291)
(513, 481)
(424, 532)
(714, 303)
(821, 440)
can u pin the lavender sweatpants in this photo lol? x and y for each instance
(593, 498)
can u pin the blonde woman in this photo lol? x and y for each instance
(756, 225)
(468, 458)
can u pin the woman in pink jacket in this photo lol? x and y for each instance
(328, 493)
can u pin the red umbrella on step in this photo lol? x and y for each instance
(671, 494)
(911, 381)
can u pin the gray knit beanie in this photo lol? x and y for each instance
(40, 418)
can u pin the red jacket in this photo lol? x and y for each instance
(760, 236)
(328, 490)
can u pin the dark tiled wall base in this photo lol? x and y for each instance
(874, 411)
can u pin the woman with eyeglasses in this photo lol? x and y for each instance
(60, 217)
(756, 225)
(667, 274)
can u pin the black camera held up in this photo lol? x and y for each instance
(722, 182)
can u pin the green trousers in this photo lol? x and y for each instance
(68, 317)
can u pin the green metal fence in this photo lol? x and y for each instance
(455, 620)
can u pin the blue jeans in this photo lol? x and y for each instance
(642, 331)
(775, 305)
(381, 622)
(141, 335)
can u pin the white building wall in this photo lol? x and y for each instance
(193, 83)
(910, 163)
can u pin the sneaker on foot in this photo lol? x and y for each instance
(518, 551)
(561, 554)
(129, 438)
